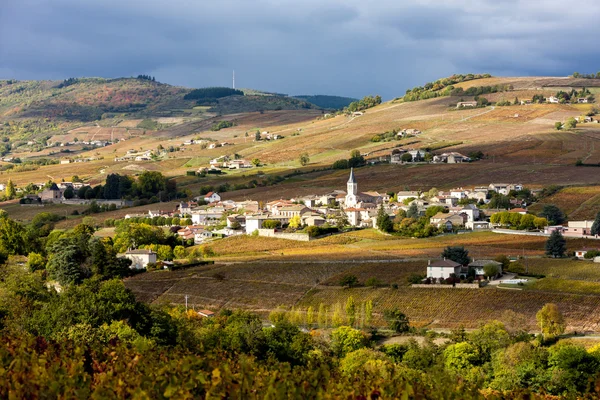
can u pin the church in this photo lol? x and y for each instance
(354, 199)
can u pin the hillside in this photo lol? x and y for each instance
(519, 142)
(327, 102)
(91, 99)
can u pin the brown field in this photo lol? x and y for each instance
(264, 286)
(578, 203)
(451, 308)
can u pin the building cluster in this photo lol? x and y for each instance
(398, 156)
(440, 270)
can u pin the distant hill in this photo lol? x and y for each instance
(92, 99)
(327, 102)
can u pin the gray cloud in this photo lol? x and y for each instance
(339, 47)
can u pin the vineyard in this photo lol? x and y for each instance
(450, 308)
(564, 268)
(268, 285)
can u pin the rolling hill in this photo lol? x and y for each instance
(520, 142)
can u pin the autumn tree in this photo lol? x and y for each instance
(10, 190)
(550, 320)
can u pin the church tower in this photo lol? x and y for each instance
(351, 196)
(352, 185)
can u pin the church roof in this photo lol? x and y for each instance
(352, 179)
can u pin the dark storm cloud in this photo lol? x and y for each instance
(299, 47)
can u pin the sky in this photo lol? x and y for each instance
(338, 47)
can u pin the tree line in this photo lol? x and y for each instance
(212, 93)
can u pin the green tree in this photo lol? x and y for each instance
(349, 280)
(67, 262)
(150, 183)
(10, 191)
(345, 340)
(596, 225)
(322, 316)
(558, 126)
(460, 356)
(271, 224)
(257, 136)
(35, 262)
(553, 214)
(490, 270)
(406, 157)
(304, 159)
(396, 320)
(457, 254)
(351, 311)
(69, 193)
(256, 162)
(556, 245)
(364, 360)
(571, 123)
(179, 252)
(413, 211)
(550, 320)
(13, 237)
(384, 223)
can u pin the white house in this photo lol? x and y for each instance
(206, 217)
(201, 235)
(443, 269)
(212, 197)
(140, 258)
(552, 99)
(401, 196)
(477, 225)
(582, 252)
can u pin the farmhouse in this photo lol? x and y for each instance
(463, 104)
(140, 258)
(552, 99)
(443, 269)
(451, 158)
(52, 195)
(448, 221)
(582, 252)
(212, 197)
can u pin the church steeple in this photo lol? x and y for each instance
(352, 179)
(352, 185)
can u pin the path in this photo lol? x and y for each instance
(492, 108)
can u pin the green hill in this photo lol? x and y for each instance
(327, 102)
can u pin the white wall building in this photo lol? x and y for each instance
(140, 258)
(443, 269)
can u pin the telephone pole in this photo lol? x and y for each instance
(234, 79)
(186, 299)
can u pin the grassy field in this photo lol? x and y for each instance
(565, 269)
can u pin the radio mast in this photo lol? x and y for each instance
(234, 78)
